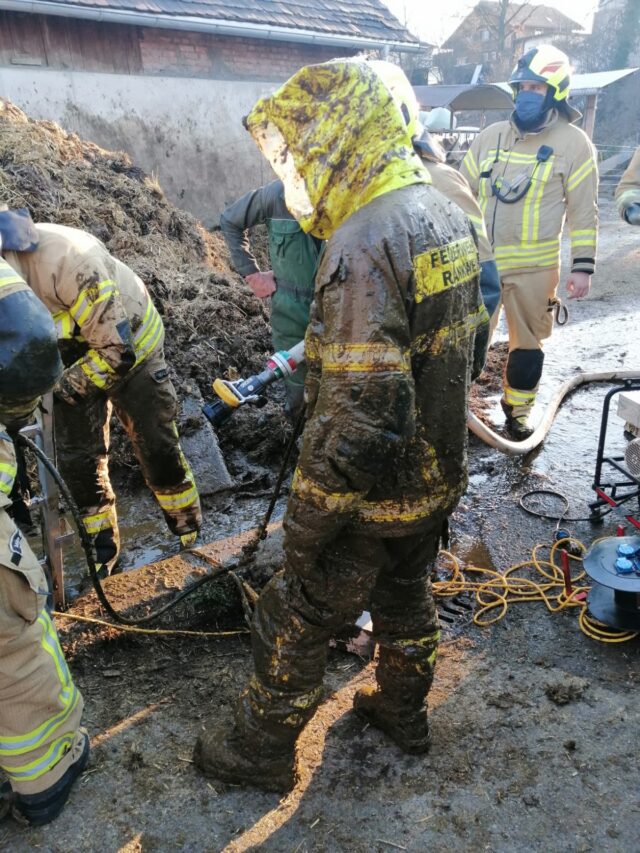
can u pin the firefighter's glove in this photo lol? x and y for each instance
(632, 213)
(490, 285)
(65, 392)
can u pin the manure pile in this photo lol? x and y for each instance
(214, 325)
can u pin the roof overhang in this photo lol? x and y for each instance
(464, 97)
(205, 25)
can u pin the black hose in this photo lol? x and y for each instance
(88, 550)
(559, 518)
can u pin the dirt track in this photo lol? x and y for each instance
(535, 727)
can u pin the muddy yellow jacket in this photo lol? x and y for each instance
(628, 190)
(96, 301)
(541, 177)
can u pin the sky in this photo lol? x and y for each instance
(434, 20)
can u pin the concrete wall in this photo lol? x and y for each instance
(186, 131)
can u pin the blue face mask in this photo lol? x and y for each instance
(529, 108)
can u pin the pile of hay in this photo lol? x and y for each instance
(214, 325)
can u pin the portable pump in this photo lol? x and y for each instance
(233, 395)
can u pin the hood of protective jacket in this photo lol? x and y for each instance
(335, 136)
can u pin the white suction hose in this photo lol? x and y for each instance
(519, 448)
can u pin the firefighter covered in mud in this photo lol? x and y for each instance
(294, 260)
(111, 339)
(528, 173)
(43, 749)
(383, 458)
(628, 192)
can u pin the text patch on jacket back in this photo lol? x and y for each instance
(445, 267)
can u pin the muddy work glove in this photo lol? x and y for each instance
(632, 213)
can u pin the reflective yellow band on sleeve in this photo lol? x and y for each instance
(96, 369)
(365, 358)
(450, 337)
(91, 295)
(8, 473)
(65, 325)
(309, 491)
(312, 348)
(577, 177)
(444, 267)
(9, 277)
(149, 333)
(470, 165)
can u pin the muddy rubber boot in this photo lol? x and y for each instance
(409, 730)
(222, 754)
(518, 428)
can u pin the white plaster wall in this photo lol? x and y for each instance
(187, 132)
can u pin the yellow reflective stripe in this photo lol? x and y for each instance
(17, 744)
(586, 241)
(149, 333)
(8, 276)
(37, 768)
(444, 267)
(100, 521)
(538, 192)
(532, 202)
(177, 500)
(451, 336)
(310, 491)
(469, 162)
(50, 644)
(584, 232)
(96, 369)
(312, 348)
(513, 397)
(519, 158)
(405, 510)
(478, 221)
(90, 296)
(577, 177)
(65, 325)
(365, 358)
(8, 473)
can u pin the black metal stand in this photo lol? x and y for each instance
(612, 492)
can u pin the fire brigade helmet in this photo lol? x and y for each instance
(439, 120)
(402, 93)
(544, 64)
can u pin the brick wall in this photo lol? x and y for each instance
(226, 57)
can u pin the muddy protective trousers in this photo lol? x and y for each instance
(40, 707)
(304, 606)
(529, 300)
(146, 404)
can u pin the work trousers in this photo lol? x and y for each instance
(529, 303)
(289, 320)
(40, 707)
(302, 607)
(146, 404)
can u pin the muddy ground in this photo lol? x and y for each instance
(535, 727)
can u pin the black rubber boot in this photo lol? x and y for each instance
(40, 809)
(409, 730)
(222, 754)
